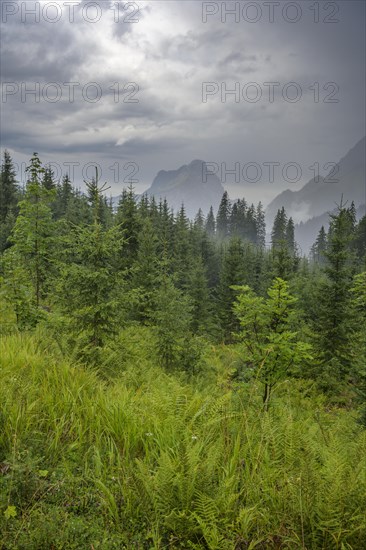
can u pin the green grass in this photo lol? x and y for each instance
(141, 459)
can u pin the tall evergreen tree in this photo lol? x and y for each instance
(197, 289)
(319, 247)
(282, 241)
(9, 196)
(290, 236)
(234, 222)
(89, 284)
(358, 305)
(223, 217)
(211, 223)
(232, 272)
(48, 180)
(64, 196)
(278, 235)
(260, 226)
(32, 235)
(128, 220)
(182, 255)
(146, 272)
(333, 325)
(359, 242)
(199, 220)
(172, 319)
(251, 225)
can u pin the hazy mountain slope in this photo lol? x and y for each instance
(310, 206)
(306, 232)
(317, 197)
(189, 185)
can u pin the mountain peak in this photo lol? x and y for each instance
(311, 204)
(192, 184)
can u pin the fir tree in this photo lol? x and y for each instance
(290, 236)
(182, 255)
(89, 284)
(334, 316)
(359, 242)
(197, 289)
(272, 348)
(172, 319)
(199, 220)
(282, 241)
(234, 223)
(9, 196)
(210, 223)
(32, 235)
(260, 226)
(146, 272)
(65, 194)
(319, 247)
(128, 221)
(251, 225)
(278, 235)
(232, 272)
(223, 217)
(48, 179)
(358, 305)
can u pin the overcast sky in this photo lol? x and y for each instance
(168, 50)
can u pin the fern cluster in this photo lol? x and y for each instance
(149, 460)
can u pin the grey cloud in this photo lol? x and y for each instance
(169, 55)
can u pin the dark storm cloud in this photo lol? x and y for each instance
(169, 54)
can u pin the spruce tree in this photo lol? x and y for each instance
(251, 225)
(333, 326)
(33, 233)
(164, 227)
(232, 272)
(223, 217)
(9, 196)
(89, 283)
(260, 226)
(146, 272)
(172, 319)
(64, 195)
(278, 235)
(282, 240)
(48, 179)
(182, 255)
(197, 289)
(290, 236)
(234, 222)
(199, 220)
(319, 247)
(358, 373)
(272, 347)
(210, 223)
(359, 242)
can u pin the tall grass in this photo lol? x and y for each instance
(146, 460)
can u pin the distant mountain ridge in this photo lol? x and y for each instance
(193, 185)
(318, 196)
(310, 205)
(306, 232)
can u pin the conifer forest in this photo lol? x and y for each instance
(169, 383)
